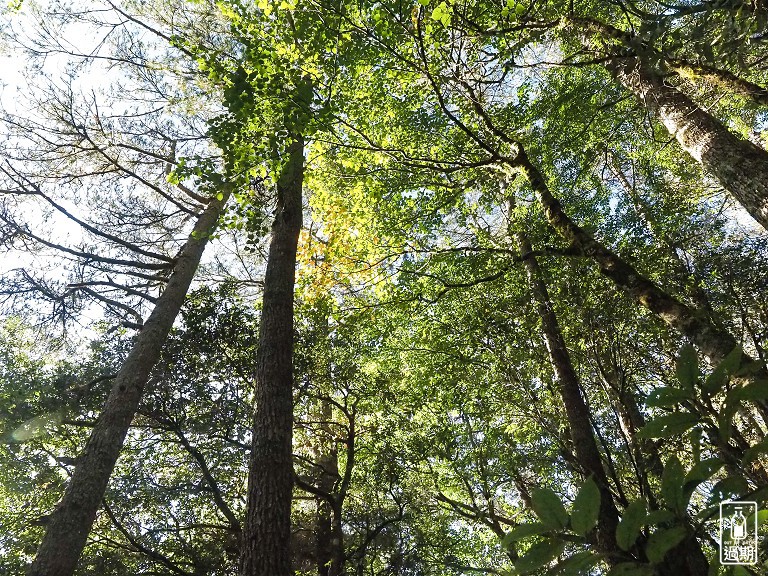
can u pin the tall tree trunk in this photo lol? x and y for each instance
(577, 412)
(714, 342)
(740, 166)
(330, 543)
(71, 521)
(267, 534)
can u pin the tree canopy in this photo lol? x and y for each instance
(386, 288)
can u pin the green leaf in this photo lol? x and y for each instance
(658, 517)
(576, 565)
(539, 554)
(523, 531)
(762, 518)
(631, 569)
(663, 541)
(631, 521)
(667, 396)
(668, 425)
(754, 451)
(424, 2)
(672, 484)
(731, 487)
(586, 508)
(695, 437)
(754, 391)
(687, 368)
(701, 472)
(548, 507)
(723, 371)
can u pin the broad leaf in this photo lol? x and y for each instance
(672, 484)
(663, 541)
(631, 522)
(539, 554)
(667, 396)
(687, 368)
(668, 425)
(586, 508)
(523, 531)
(548, 507)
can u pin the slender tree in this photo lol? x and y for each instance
(68, 527)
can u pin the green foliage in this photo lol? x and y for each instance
(586, 508)
(631, 522)
(420, 365)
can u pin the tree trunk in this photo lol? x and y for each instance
(714, 342)
(330, 543)
(71, 521)
(740, 166)
(577, 412)
(267, 535)
(690, 560)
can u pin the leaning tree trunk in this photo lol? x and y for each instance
(577, 412)
(690, 560)
(71, 521)
(714, 342)
(740, 166)
(266, 540)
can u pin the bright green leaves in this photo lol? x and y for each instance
(513, 7)
(554, 523)
(586, 508)
(523, 531)
(442, 14)
(693, 394)
(539, 554)
(669, 425)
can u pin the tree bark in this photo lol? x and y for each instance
(71, 521)
(714, 342)
(723, 78)
(740, 166)
(576, 409)
(690, 560)
(267, 534)
(330, 537)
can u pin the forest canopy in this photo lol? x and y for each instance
(391, 288)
